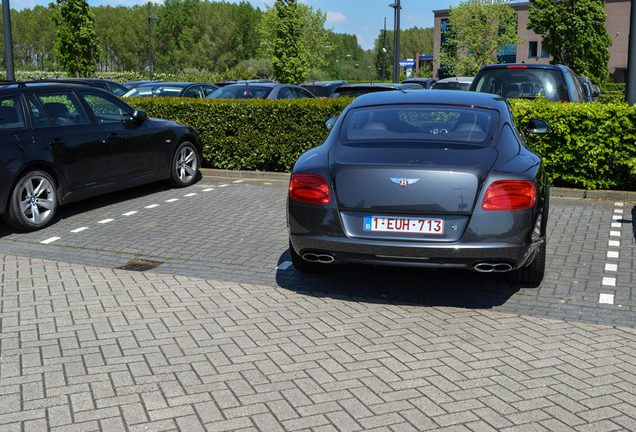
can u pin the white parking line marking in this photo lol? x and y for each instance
(609, 281)
(616, 217)
(105, 221)
(617, 224)
(79, 229)
(615, 233)
(190, 194)
(172, 200)
(284, 265)
(618, 210)
(611, 267)
(612, 254)
(152, 206)
(207, 190)
(50, 240)
(130, 213)
(238, 181)
(223, 185)
(614, 243)
(606, 298)
(620, 204)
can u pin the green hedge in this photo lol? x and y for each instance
(612, 97)
(589, 145)
(612, 87)
(256, 135)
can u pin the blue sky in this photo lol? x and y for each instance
(363, 18)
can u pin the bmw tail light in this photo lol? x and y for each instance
(509, 195)
(309, 188)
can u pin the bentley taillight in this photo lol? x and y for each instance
(309, 188)
(509, 195)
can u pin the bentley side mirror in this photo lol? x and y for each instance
(537, 126)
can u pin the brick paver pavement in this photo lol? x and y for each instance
(218, 338)
(96, 349)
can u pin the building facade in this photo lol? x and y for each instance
(531, 51)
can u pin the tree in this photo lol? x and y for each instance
(289, 59)
(574, 34)
(176, 16)
(77, 46)
(476, 32)
(313, 36)
(210, 39)
(115, 38)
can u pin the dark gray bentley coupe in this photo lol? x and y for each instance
(427, 179)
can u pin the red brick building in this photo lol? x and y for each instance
(531, 51)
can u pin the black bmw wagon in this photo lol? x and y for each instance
(63, 142)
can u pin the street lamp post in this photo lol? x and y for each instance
(251, 46)
(339, 60)
(396, 40)
(150, 18)
(357, 79)
(8, 42)
(383, 49)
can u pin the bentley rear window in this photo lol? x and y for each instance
(419, 125)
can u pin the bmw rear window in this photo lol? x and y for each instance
(418, 126)
(524, 83)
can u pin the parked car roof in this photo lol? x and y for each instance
(235, 81)
(455, 83)
(111, 86)
(172, 89)
(261, 91)
(355, 90)
(424, 82)
(323, 89)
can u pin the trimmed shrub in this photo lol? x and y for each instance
(612, 87)
(589, 145)
(612, 97)
(256, 135)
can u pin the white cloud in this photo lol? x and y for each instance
(365, 28)
(336, 17)
(412, 17)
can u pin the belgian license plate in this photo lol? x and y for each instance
(404, 224)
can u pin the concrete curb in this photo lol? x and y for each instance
(554, 191)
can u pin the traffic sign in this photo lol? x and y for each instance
(407, 63)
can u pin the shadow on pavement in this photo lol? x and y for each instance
(401, 285)
(93, 203)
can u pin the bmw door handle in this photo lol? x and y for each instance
(57, 142)
(113, 136)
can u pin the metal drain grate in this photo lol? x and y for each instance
(140, 265)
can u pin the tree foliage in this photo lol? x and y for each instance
(203, 39)
(574, 34)
(313, 36)
(77, 46)
(289, 59)
(477, 31)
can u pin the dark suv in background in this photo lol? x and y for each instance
(322, 89)
(557, 83)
